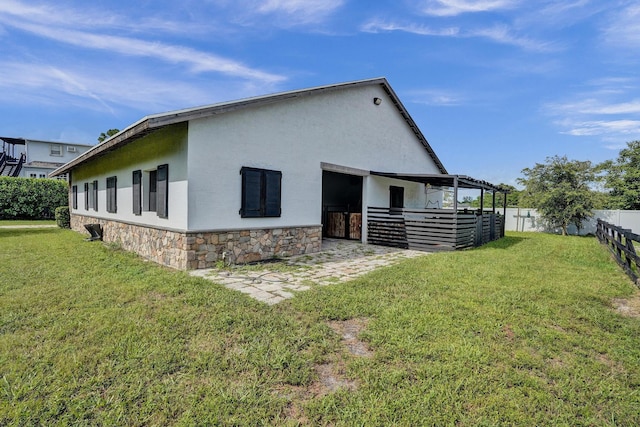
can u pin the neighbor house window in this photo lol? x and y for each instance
(396, 197)
(112, 194)
(137, 192)
(42, 175)
(56, 150)
(74, 197)
(94, 195)
(157, 194)
(33, 175)
(86, 196)
(261, 193)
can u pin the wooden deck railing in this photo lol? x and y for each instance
(620, 243)
(431, 229)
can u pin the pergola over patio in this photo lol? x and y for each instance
(438, 229)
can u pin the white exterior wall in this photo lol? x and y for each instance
(342, 128)
(165, 146)
(378, 192)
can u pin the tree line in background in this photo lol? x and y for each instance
(567, 191)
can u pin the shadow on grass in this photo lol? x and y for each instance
(14, 232)
(504, 243)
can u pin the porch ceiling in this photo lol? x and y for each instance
(437, 180)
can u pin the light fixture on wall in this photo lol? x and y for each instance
(377, 101)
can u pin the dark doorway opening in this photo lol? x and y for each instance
(341, 205)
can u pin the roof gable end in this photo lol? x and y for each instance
(154, 122)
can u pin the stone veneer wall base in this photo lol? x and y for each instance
(193, 250)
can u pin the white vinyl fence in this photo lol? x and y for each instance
(523, 219)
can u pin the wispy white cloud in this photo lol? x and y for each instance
(622, 29)
(378, 26)
(197, 61)
(594, 106)
(503, 34)
(602, 127)
(436, 97)
(97, 88)
(457, 7)
(300, 11)
(605, 111)
(500, 34)
(93, 19)
(278, 13)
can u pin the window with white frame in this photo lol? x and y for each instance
(56, 150)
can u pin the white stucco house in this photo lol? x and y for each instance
(255, 178)
(33, 158)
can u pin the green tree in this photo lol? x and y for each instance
(622, 178)
(108, 134)
(560, 190)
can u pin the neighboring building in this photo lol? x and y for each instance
(31, 158)
(256, 178)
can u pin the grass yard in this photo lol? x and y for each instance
(523, 331)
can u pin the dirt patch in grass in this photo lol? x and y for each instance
(629, 307)
(332, 373)
(349, 331)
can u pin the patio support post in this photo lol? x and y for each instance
(455, 194)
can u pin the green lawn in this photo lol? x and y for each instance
(520, 332)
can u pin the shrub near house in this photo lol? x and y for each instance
(27, 198)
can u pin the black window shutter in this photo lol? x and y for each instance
(112, 194)
(152, 190)
(86, 196)
(251, 193)
(272, 192)
(137, 193)
(74, 197)
(95, 195)
(163, 191)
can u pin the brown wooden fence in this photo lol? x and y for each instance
(431, 229)
(620, 243)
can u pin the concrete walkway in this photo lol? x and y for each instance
(339, 261)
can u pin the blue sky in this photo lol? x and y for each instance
(495, 85)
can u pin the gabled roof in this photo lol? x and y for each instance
(154, 122)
